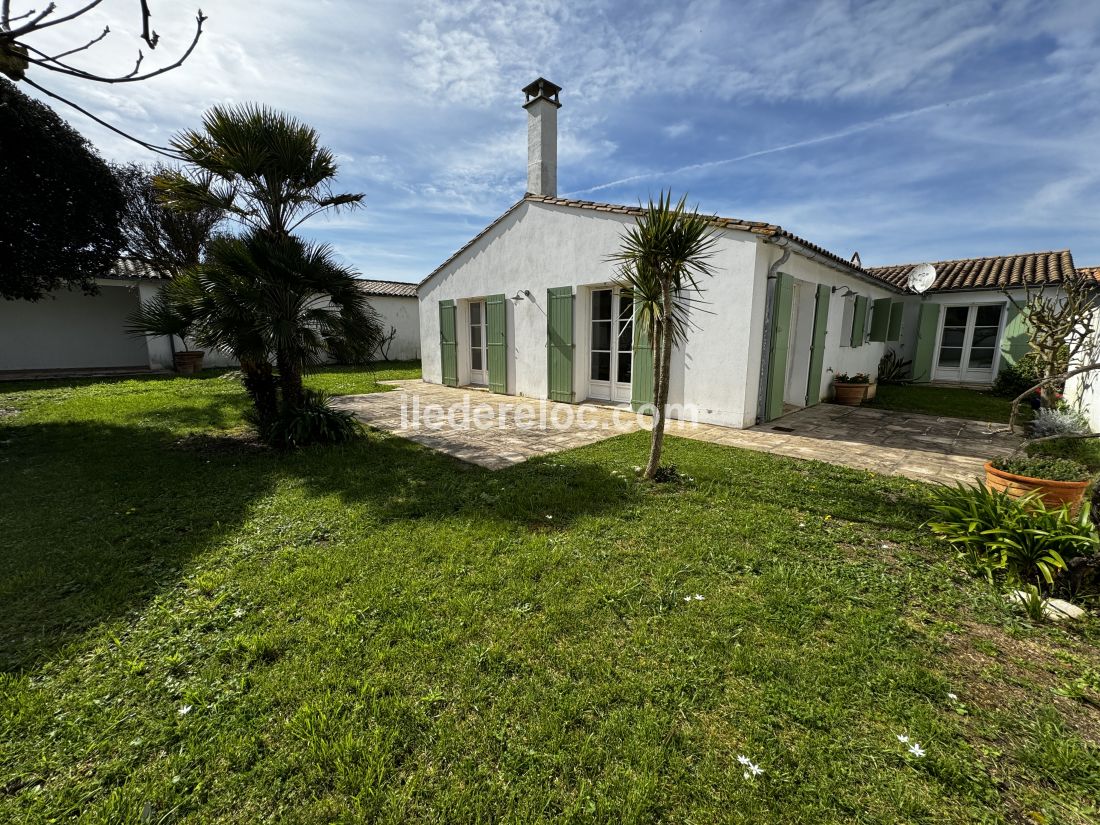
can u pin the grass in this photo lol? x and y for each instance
(194, 629)
(955, 402)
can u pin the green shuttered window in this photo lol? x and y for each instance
(641, 371)
(859, 321)
(1014, 342)
(779, 343)
(559, 343)
(496, 321)
(448, 345)
(897, 312)
(928, 324)
(817, 350)
(880, 319)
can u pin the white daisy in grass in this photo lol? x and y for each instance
(916, 750)
(754, 770)
(952, 697)
(744, 760)
(183, 711)
(699, 597)
(687, 598)
(903, 739)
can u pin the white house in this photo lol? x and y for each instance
(68, 331)
(529, 307)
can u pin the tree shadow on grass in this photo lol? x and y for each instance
(99, 518)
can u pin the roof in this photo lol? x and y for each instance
(1089, 272)
(127, 269)
(393, 289)
(999, 272)
(764, 230)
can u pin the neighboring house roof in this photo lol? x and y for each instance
(393, 289)
(127, 269)
(1089, 272)
(999, 272)
(765, 230)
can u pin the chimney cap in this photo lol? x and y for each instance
(541, 89)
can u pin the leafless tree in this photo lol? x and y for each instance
(18, 56)
(1061, 322)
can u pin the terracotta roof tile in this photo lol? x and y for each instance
(1089, 272)
(396, 289)
(1000, 272)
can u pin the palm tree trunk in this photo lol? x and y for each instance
(290, 380)
(663, 359)
(259, 383)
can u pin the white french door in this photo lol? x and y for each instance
(611, 344)
(970, 335)
(479, 356)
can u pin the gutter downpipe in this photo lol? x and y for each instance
(769, 310)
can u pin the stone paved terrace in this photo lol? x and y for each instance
(512, 430)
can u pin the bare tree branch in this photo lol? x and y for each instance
(9, 41)
(152, 147)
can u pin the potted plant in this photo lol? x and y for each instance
(164, 316)
(1058, 480)
(852, 390)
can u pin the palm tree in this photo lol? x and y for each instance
(268, 300)
(264, 168)
(660, 258)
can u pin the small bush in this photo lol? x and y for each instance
(855, 378)
(1013, 379)
(1022, 537)
(1084, 451)
(1048, 422)
(1045, 467)
(316, 421)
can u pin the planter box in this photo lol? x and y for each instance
(1054, 493)
(188, 362)
(851, 394)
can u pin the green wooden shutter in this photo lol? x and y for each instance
(448, 345)
(817, 348)
(1015, 340)
(859, 321)
(880, 319)
(897, 312)
(559, 343)
(928, 325)
(496, 342)
(779, 343)
(641, 370)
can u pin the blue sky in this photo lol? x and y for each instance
(905, 130)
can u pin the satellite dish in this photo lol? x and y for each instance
(922, 277)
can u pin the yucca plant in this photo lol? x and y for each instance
(660, 259)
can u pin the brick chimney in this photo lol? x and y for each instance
(542, 137)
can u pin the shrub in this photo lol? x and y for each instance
(1045, 467)
(1013, 379)
(1065, 421)
(1020, 536)
(316, 421)
(1084, 451)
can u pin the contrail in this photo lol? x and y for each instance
(843, 133)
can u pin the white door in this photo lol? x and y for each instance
(611, 345)
(970, 336)
(479, 357)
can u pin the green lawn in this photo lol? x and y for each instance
(194, 629)
(951, 401)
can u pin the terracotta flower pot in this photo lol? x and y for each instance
(850, 394)
(188, 362)
(1054, 493)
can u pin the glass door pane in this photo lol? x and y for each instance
(983, 340)
(477, 338)
(953, 336)
(601, 335)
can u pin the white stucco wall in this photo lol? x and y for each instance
(403, 315)
(540, 246)
(70, 330)
(839, 355)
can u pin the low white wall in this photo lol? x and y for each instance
(403, 315)
(70, 330)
